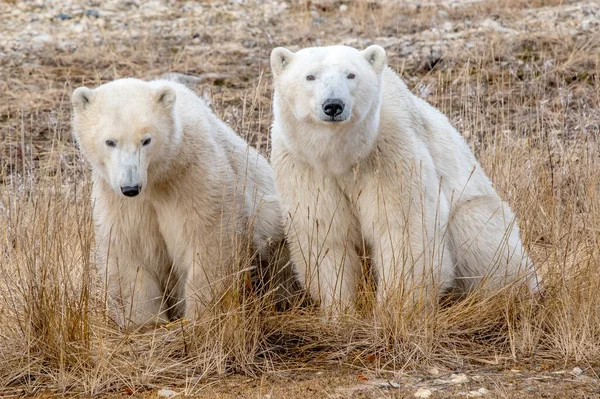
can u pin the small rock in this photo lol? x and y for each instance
(63, 16)
(474, 394)
(43, 38)
(166, 393)
(577, 371)
(459, 378)
(77, 27)
(489, 23)
(343, 8)
(443, 14)
(423, 393)
(433, 371)
(249, 43)
(388, 385)
(92, 13)
(447, 26)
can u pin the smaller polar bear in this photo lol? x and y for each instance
(363, 167)
(175, 194)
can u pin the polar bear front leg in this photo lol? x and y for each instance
(137, 296)
(407, 234)
(131, 256)
(131, 275)
(200, 287)
(206, 265)
(322, 232)
(410, 269)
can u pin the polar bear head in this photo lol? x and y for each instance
(333, 85)
(124, 129)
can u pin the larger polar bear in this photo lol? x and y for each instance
(363, 166)
(175, 195)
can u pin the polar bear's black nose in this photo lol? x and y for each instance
(333, 107)
(130, 191)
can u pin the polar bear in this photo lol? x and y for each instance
(364, 167)
(175, 194)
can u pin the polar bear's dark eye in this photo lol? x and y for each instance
(110, 143)
(310, 77)
(147, 141)
(351, 76)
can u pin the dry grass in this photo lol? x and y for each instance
(529, 105)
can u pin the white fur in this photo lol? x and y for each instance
(393, 177)
(204, 189)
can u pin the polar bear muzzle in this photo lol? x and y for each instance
(333, 107)
(131, 191)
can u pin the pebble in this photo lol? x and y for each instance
(343, 8)
(166, 393)
(43, 38)
(41, 41)
(443, 14)
(447, 27)
(92, 13)
(423, 393)
(388, 385)
(459, 378)
(577, 371)
(63, 16)
(494, 25)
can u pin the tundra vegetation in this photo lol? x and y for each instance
(519, 79)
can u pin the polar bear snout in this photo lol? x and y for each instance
(128, 172)
(333, 108)
(131, 191)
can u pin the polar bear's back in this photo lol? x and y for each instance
(253, 179)
(198, 119)
(455, 164)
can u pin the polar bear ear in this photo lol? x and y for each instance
(280, 58)
(82, 97)
(165, 96)
(375, 55)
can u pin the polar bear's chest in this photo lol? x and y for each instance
(331, 152)
(172, 226)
